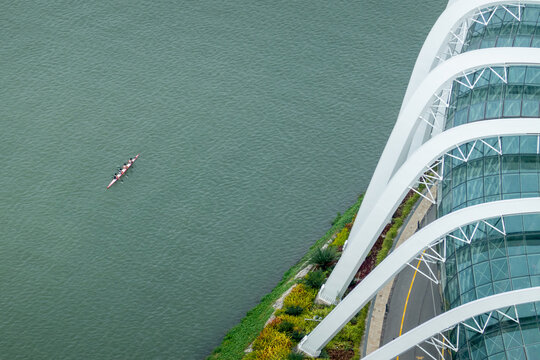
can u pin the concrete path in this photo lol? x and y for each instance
(381, 306)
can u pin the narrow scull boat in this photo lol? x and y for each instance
(123, 171)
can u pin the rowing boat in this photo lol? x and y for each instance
(122, 172)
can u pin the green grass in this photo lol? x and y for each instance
(239, 337)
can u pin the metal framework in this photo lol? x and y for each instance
(459, 317)
(457, 36)
(362, 239)
(427, 237)
(408, 160)
(398, 145)
(479, 325)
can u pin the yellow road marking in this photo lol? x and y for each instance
(407, 299)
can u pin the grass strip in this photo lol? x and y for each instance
(240, 336)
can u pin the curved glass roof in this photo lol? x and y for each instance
(505, 28)
(488, 176)
(501, 254)
(498, 259)
(492, 98)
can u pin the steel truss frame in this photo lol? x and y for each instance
(432, 175)
(431, 255)
(435, 113)
(483, 16)
(479, 326)
(397, 260)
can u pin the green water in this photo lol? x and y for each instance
(256, 123)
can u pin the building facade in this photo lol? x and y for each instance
(469, 132)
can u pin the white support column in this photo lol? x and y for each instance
(397, 147)
(366, 232)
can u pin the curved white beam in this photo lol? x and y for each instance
(452, 317)
(361, 241)
(313, 343)
(397, 148)
(437, 38)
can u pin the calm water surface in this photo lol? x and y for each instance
(256, 122)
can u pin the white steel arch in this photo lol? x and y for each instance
(397, 146)
(453, 317)
(361, 241)
(313, 343)
(455, 13)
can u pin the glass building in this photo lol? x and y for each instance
(469, 127)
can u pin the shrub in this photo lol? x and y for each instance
(341, 237)
(294, 310)
(271, 344)
(324, 257)
(285, 327)
(295, 356)
(298, 321)
(296, 335)
(301, 296)
(315, 279)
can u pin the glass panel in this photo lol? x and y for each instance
(459, 174)
(526, 310)
(504, 41)
(479, 250)
(533, 244)
(533, 350)
(460, 117)
(475, 168)
(493, 110)
(510, 144)
(515, 245)
(513, 224)
(494, 343)
(497, 248)
(512, 108)
(466, 282)
(484, 290)
(463, 258)
(529, 163)
(475, 189)
(516, 354)
(501, 286)
(482, 273)
(476, 112)
(531, 223)
(499, 269)
(529, 182)
(531, 92)
(491, 165)
(531, 333)
(533, 75)
(492, 185)
(522, 41)
(459, 194)
(518, 266)
(521, 283)
(516, 74)
(534, 264)
(530, 14)
(511, 183)
(529, 108)
(510, 164)
(512, 339)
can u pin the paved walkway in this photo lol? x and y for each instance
(381, 300)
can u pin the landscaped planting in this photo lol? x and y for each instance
(299, 314)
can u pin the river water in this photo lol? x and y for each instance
(256, 122)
